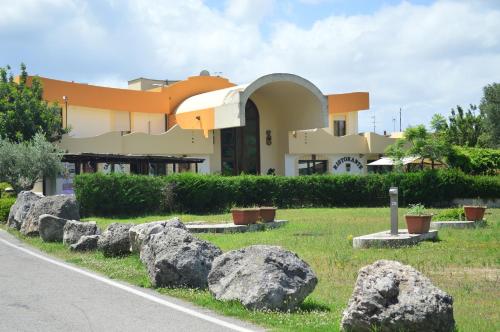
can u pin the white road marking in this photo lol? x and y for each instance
(132, 290)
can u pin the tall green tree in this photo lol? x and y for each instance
(23, 112)
(490, 108)
(23, 164)
(465, 127)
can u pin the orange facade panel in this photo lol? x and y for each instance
(164, 100)
(348, 102)
(105, 98)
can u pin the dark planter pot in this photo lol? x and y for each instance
(418, 224)
(474, 213)
(245, 216)
(267, 213)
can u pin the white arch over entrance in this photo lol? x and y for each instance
(299, 103)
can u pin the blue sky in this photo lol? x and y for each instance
(423, 56)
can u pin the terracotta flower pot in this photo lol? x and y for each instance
(474, 213)
(267, 213)
(245, 216)
(418, 224)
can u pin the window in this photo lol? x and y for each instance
(157, 169)
(308, 167)
(347, 167)
(339, 128)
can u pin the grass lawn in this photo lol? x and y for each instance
(464, 263)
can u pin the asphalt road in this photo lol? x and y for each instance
(40, 293)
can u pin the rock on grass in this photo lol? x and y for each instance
(390, 296)
(174, 257)
(262, 278)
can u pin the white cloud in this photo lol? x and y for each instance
(425, 59)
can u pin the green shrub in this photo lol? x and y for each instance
(450, 214)
(5, 204)
(3, 186)
(120, 194)
(475, 160)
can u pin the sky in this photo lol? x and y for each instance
(424, 57)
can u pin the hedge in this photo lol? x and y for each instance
(475, 160)
(121, 194)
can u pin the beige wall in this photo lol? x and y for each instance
(350, 118)
(150, 123)
(271, 156)
(120, 121)
(322, 141)
(174, 142)
(87, 122)
(215, 158)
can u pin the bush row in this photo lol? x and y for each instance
(120, 194)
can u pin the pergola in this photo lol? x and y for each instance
(140, 162)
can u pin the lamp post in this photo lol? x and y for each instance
(393, 194)
(65, 98)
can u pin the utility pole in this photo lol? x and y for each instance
(400, 127)
(393, 125)
(373, 117)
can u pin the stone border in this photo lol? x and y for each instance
(458, 224)
(229, 227)
(386, 240)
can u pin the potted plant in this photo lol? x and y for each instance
(475, 211)
(245, 216)
(418, 220)
(267, 213)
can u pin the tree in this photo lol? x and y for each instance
(473, 128)
(23, 164)
(438, 123)
(465, 127)
(418, 142)
(490, 108)
(23, 112)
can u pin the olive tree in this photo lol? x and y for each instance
(23, 164)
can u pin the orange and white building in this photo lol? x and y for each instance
(278, 124)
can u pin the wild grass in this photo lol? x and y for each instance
(464, 263)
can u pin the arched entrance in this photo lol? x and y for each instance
(240, 146)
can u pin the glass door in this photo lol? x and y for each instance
(240, 147)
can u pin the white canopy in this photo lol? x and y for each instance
(386, 161)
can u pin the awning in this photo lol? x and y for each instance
(300, 103)
(386, 161)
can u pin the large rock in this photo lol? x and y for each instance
(86, 242)
(51, 228)
(140, 233)
(174, 257)
(74, 230)
(62, 206)
(115, 240)
(390, 296)
(262, 277)
(17, 214)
